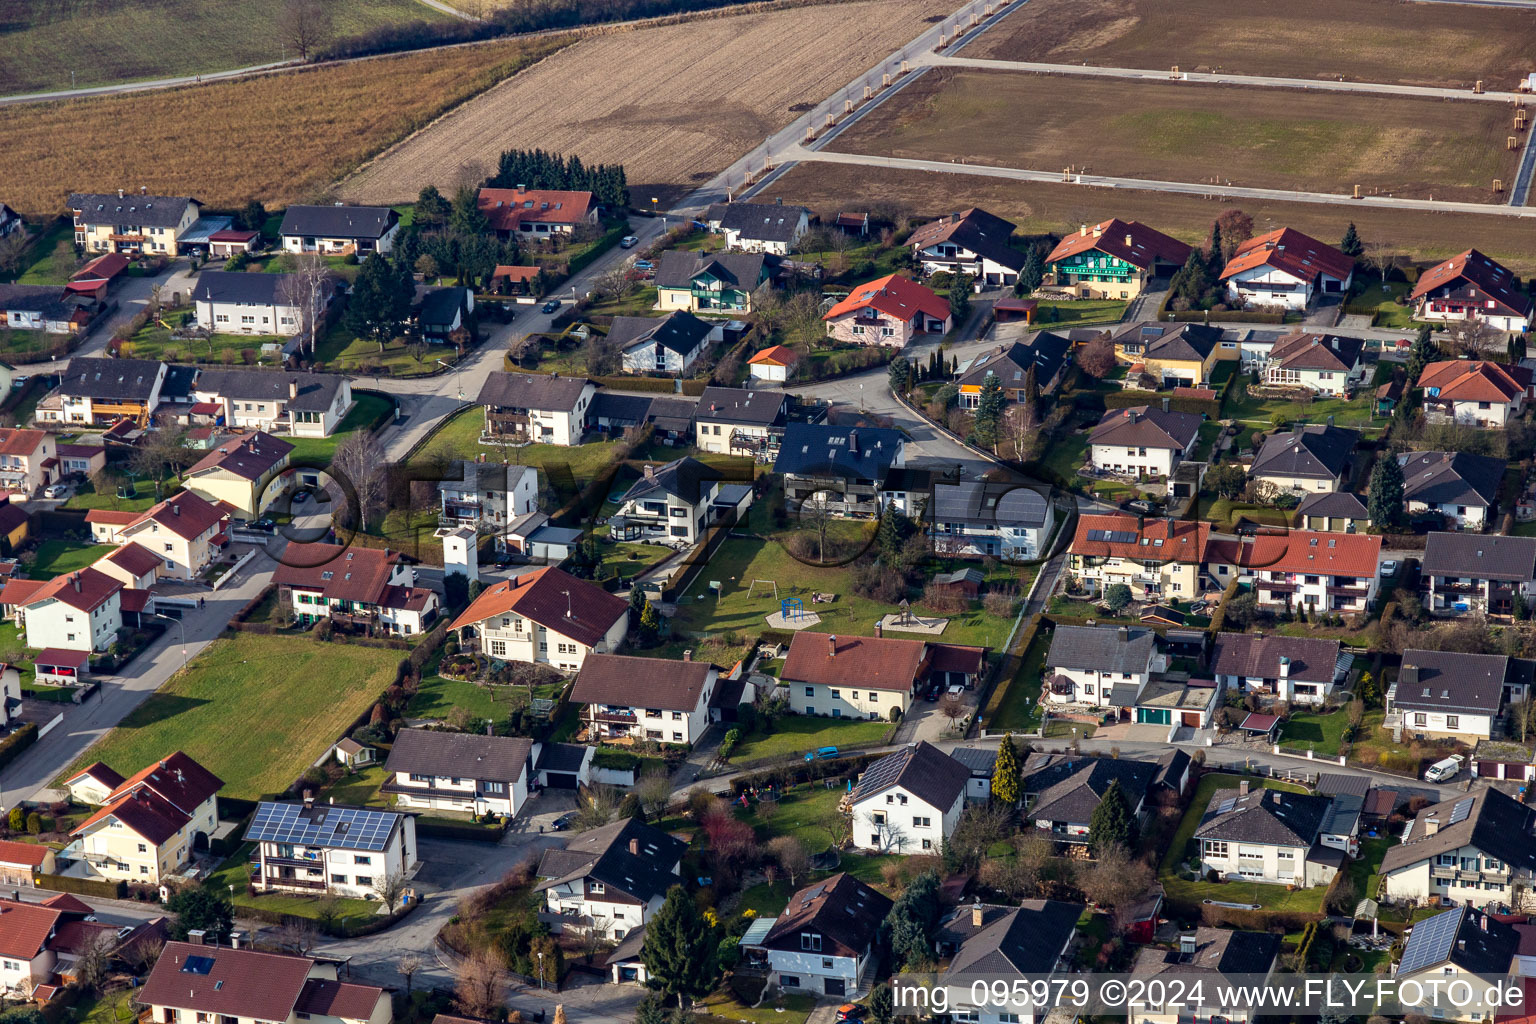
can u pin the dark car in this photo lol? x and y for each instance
(263, 524)
(550, 306)
(565, 821)
(850, 1012)
(934, 693)
(299, 497)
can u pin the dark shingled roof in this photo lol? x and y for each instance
(1248, 655)
(678, 267)
(1498, 825)
(371, 222)
(603, 855)
(679, 332)
(316, 391)
(685, 478)
(1011, 941)
(977, 230)
(1451, 478)
(923, 770)
(1069, 788)
(978, 760)
(531, 391)
(760, 222)
(1451, 681)
(846, 912)
(1467, 937)
(1311, 452)
(629, 681)
(1102, 648)
(459, 755)
(739, 405)
(231, 286)
(1046, 352)
(1265, 816)
(97, 378)
(1480, 556)
(1146, 427)
(1334, 505)
(863, 453)
(1217, 950)
(47, 301)
(1187, 342)
(129, 208)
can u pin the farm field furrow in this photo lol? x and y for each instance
(1249, 136)
(1040, 208)
(675, 104)
(1362, 41)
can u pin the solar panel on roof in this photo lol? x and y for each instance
(1461, 810)
(1227, 805)
(1430, 942)
(198, 965)
(349, 827)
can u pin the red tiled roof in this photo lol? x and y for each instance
(1128, 241)
(19, 592)
(411, 599)
(102, 268)
(1157, 539)
(54, 657)
(30, 854)
(882, 663)
(239, 982)
(326, 998)
(134, 558)
(97, 770)
(507, 208)
(541, 596)
(250, 458)
(135, 600)
(185, 514)
(25, 927)
(69, 904)
(1306, 551)
(232, 235)
(1460, 380)
(111, 517)
(1289, 250)
(73, 936)
(516, 275)
(956, 658)
(81, 451)
(777, 355)
(143, 812)
(178, 779)
(339, 573)
(892, 295)
(20, 441)
(648, 682)
(206, 409)
(86, 589)
(1480, 277)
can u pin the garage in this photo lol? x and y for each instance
(563, 765)
(1154, 716)
(836, 987)
(1192, 719)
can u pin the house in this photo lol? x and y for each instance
(522, 281)
(1463, 488)
(459, 771)
(670, 344)
(610, 880)
(1112, 260)
(330, 848)
(981, 762)
(354, 586)
(623, 697)
(1143, 442)
(132, 223)
(1468, 572)
(905, 488)
(15, 524)
(1291, 669)
(1471, 286)
(734, 421)
(773, 364)
(519, 212)
(840, 467)
(1100, 665)
(239, 303)
(134, 567)
(441, 314)
(759, 227)
(706, 282)
(1312, 458)
(1014, 946)
(1047, 354)
(1200, 954)
(890, 311)
(488, 496)
(534, 537)
(980, 519)
(339, 229)
(33, 307)
(1266, 835)
(216, 983)
(1062, 791)
(1476, 848)
(41, 943)
(245, 473)
(306, 404)
(972, 243)
(1332, 572)
(225, 243)
(26, 459)
(184, 531)
(1474, 392)
(1176, 355)
(1450, 695)
(81, 460)
(1462, 943)
(21, 862)
(94, 391)
(1333, 512)
(908, 800)
(79, 611)
(853, 676)
(670, 504)
(1158, 559)
(1285, 269)
(824, 942)
(1323, 363)
(546, 409)
(546, 616)
(94, 784)
(147, 827)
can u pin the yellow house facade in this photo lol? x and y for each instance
(132, 222)
(248, 475)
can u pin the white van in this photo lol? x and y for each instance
(1443, 771)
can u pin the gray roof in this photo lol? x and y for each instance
(561, 757)
(1046, 352)
(531, 391)
(685, 478)
(1311, 452)
(1451, 478)
(1264, 816)
(989, 504)
(436, 307)
(1190, 342)
(1451, 681)
(316, 391)
(1069, 787)
(1333, 504)
(819, 449)
(923, 770)
(1103, 648)
(1217, 950)
(1464, 936)
(679, 332)
(1480, 556)
(139, 210)
(1334, 784)
(678, 267)
(979, 760)
(459, 755)
(48, 300)
(1249, 655)
(846, 912)
(765, 222)
(620, 409)
(739, 405)
(1146, 427)
(227, 286)
(94, 377)
(1011, 941)
(627, 855)
(1488, 819)
(363, 222)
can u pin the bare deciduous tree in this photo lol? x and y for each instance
(1021, 429)
(307, 289)
(409, 966)
(161, 450)
(480, 979)
(598, 807)
(653, 790)
(305, 25)
(802, 318)
(12, 247)
(390, 889)
(93, 960)
(816, 515)
(1382, 258)
(299, 936)
(1116, 879)
(791, 855)
(360, 461)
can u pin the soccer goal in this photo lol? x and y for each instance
(766, 585)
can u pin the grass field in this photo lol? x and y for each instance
(457, 437)
(1268, 138)
(274, 117)
(57, 557)
(801, 733)
(125, 40)
(1018, 710)
(673, 124)
(235, 872)
(808, 812)
(342, 352)
(254, 710)
(1363, 41)
(365, 409)
(1039, 208)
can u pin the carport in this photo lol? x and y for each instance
(563, 765)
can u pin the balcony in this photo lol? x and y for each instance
(614, 717)
(125, 237)
(274, 882)
(1353, 592)
(303, 861)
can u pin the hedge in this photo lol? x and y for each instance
(583, 260)
(439, 829)
(82, 886)
(18, 741)
(1220, 617)
(1176, 403)
(337, 931)
(1199, 316)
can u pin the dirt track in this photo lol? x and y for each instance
(674, 104)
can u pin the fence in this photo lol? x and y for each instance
(233, 569)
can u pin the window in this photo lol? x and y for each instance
(920, 821)
(1420, 719)
(494, 788)
(143, 869)
(1214, 848)
(361, 859)
(874, 696)
(810, 691)
(143, 848)
(338, 879)
(677, 716)
(1452, 721)
(810, 942)
(837, 694)
(927, 844)
(826, 964)
(878, 817)
(596, 887)
(789, 981)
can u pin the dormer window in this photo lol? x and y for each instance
(810, 942)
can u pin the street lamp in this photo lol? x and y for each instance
(541, 969)
(458, 386)
(181, 626)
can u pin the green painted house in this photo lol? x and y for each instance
(1113, 260)
(710, 282)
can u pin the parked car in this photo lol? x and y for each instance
(853, 1013)
(1443, 771)
(20, 380)
(1389, 567)
(565, 821)
(628, 242)
(1144, 507)
(550, 306)
(263, 524)
(644, 265)
(56, 491)
(823, 752)
(934, 692)
(299, 497)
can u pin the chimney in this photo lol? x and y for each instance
(293, 389)
(1129, 242)
(143, 190)
(1123, 635)
(832, 645)
(76, 579)
(309, 798)
(687, 655)
(1242, 788)
(978, 912)
(650, 472)
(1285, 667)
(879, 629)
(634, 847)
(853, 441)
(195, 936)
(1461, 944)
(176, 510)
(1082, 230)
(1335, 343)
(16, 895)
(119, 193)
(1098, 232)
(1165, 403)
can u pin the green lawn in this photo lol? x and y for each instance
(783, 1008)
(153, 341)
(85, 497)
(1018, 708)
(623, 558)
(437, 696)
(360, 789)
(800, 733)
(1208, 432)
(1382, 306)
(57, 557)
(1365, 871)
(808, 812)
(16, 653)
(1320, 733)
(365, 409)
(640, 302)
(1249, 409)
(51, 252)
(236, 872)
(1078, 312)
(343, 352)
(254, 710)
